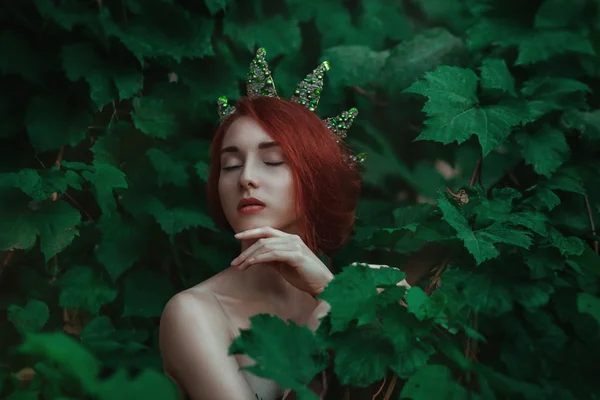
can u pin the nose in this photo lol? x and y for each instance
(249, 177)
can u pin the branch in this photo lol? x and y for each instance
(476, 176)
(592, 225)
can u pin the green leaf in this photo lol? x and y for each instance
(419, 385)
(169, 170)
(82, 289)
(276, 34)
(554, 14)
(417, 301)
(354, 64)
(487, 292)
(541, 45)
(362, 356)
(153, 117)
(105, 179)
(173, 220)
(495, 75)
(287, 353)
(413, 57)
(589, 304)
(353, 294)
(31, 318)
(480, 243)
(454, 113)
(80, 61)
(214, 6)
(546, 149)
(586, 122)
(56, 224)
(146, 293)
(380, 21)
(162, 30)
(568, 245)
(550, 93)
(52, 123)
(148, 384)
(121, 245)
(67, 352)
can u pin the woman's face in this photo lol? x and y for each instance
(256, 186)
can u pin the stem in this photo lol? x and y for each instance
(592, 225)
(380, 388)
(476, 176)
(390, 389)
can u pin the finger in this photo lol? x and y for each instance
(289, 257)
(270, 246)
(265, 231)
(260, 243)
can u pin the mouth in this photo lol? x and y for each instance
(250, 205)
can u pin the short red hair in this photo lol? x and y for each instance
(326, 186)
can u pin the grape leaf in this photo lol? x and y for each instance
(480, 243)
(546, 149)
(353, 294)
(411, 58)
(67, 352)
(553, 14)
(355, 65)
(161, 30)
(362, 356)
(121, 245)
(173, 220)
(540, 45)
(56, 224)
(153, 117)
(495, 75)
(454, 113)
(550, 93)
(145, 293)
(214, 6)
(289, 354)
(80, 61)
(105, 179)
(82, 289)
(148, 384)
(31, 318)
(419, 385)
(276, 34)
(52, 123)
(587, 122)
(169, 170)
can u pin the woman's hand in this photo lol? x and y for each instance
(296, 263)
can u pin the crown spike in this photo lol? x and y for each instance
(225, 109)
(260, 82)
(308, 91)
(340, 124)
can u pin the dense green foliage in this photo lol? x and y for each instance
(106, 113)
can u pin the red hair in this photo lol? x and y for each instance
(326, 186)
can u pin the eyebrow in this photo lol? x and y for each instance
(261, 146)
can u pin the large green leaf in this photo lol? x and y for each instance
(454, 113)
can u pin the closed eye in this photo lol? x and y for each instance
(270, 164)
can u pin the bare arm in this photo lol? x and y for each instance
(194, 343)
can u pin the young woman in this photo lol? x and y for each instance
(282, 180)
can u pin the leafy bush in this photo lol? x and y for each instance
(106, 113)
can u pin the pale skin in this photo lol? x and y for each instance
(275, 273)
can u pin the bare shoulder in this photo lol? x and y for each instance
(193, 309)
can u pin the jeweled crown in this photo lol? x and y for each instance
(308, 92)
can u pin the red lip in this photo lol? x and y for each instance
(249, 201)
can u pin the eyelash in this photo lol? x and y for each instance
(270, 164)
